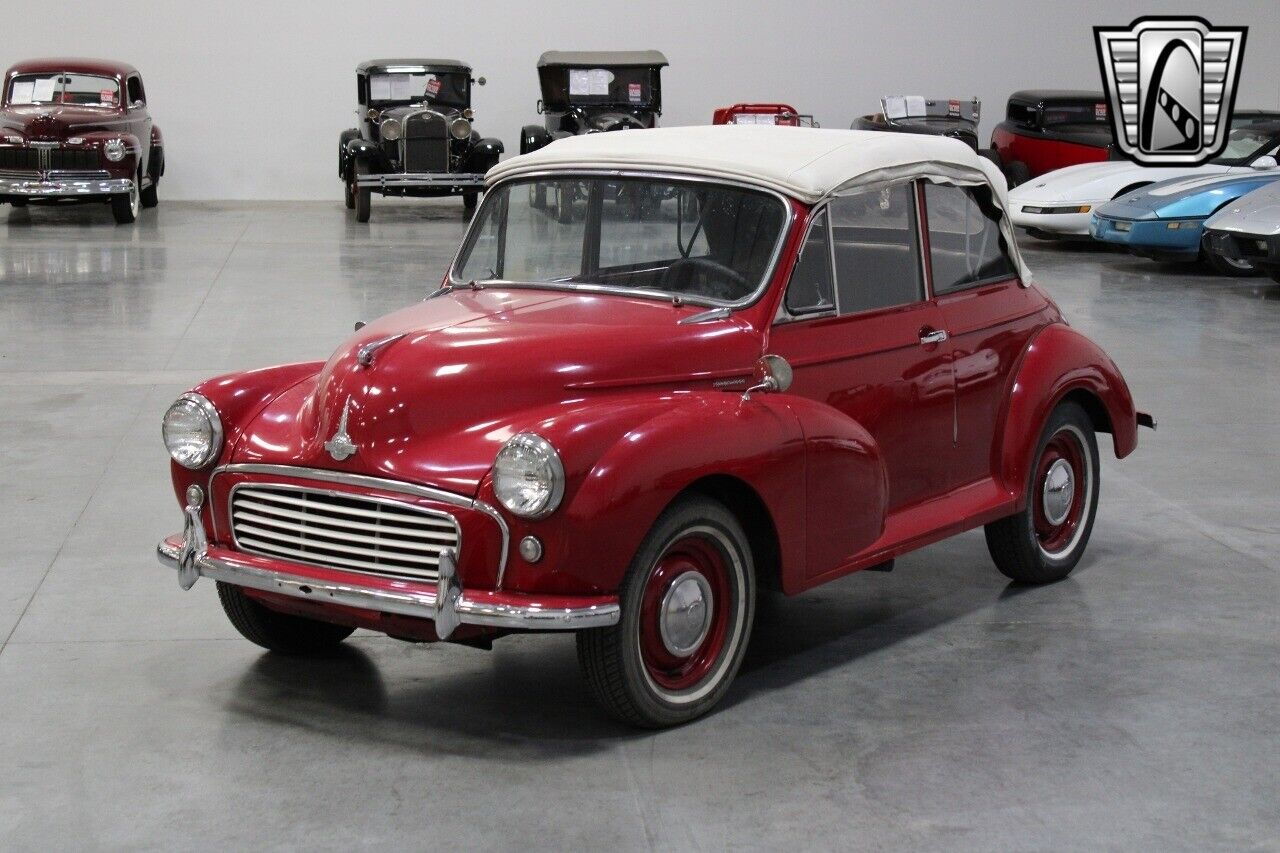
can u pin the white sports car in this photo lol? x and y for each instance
(1058, 205)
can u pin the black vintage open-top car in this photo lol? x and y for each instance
(594, 91)
(952, 117)
(415, 136)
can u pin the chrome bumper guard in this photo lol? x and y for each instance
(394, 180)
(56, 187)
(448, 605)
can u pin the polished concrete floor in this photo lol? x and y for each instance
(1133, 706)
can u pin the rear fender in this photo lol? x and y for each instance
(1057, 362)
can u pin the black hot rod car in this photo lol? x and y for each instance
(956, 118)
(594, 91)
(415, 136)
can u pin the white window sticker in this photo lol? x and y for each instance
(401, 87)
(44, 89)
(753, 118)
(22, 92)
(916, 106)
(895, 106)
(380, 87)
(589, 81)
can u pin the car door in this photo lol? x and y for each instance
(989, 316)
(862, 338)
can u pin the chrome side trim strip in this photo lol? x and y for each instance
(367, 482)
(402, 602)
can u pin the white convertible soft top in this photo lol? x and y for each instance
(808, 164)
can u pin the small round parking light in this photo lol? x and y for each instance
(531, 549)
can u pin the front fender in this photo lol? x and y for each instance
(239, 398)
(484, 155)
(360, 148)
(1057, 362)
(633, 457)
(533, 137)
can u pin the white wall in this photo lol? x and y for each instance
(252, 95)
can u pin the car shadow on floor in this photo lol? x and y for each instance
(527, 698)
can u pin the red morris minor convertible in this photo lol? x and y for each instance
(819, 351)
(78, 130)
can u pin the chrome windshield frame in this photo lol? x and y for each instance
(788, 221)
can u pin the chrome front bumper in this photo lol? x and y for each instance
(448, 605)
(396, 180)
(61, 187)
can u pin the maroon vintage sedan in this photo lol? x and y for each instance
(78, 130)
(808, 352)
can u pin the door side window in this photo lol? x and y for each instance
(965, 243)
(810, 290)
(135, 91)
(877, 256)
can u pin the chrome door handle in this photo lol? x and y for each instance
(933, 336)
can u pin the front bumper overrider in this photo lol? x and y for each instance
(53, 185)
(446, 603)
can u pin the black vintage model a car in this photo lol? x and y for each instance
(415, 136)
(952, 117)
(594, 91)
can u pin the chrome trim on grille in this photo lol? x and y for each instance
(319, 532)
(367, 482)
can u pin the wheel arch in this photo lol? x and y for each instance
(746, 504)
(1134, 186)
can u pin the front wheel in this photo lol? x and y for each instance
(1275, 274)
(151, 195)
(18, 201)
(363, 196)
(469, 201)
(279, 632)
(688, 601)
(1045, 541)
(1234, 267)
(126, 206)
(1016, 172)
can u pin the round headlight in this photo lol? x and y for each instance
(460, 128)
(192, 431)
(115, 150)
(528, 478)
(390, 130)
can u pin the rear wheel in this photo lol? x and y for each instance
(688, 601)
(1234, 267)
(564, 203)
(126, 206)
(469, 201)
(279, 632)
(1045, 541)
(363, 196)
(1016, 172)
(18, 201)
(1275, 274)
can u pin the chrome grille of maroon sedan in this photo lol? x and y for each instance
(341, 531)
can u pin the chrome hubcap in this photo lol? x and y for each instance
(685, 616)
(1059, 491)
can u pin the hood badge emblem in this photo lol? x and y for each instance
(341, 446)
(366, 354)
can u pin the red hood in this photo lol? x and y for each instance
(473, 367)
(57, 122)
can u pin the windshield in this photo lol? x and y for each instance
(706, 243)
(1246, 142)
(86, 90)
(629, 86)
(408, 87)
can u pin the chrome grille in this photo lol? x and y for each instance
(341, 531)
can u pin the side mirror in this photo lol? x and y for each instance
(773, 376)
(481, 81)
(1265, 162)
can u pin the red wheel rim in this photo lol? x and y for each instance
(1060, 490)
(691, 561)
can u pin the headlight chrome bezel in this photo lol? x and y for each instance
(460, 129)
(543, 453)
(390, 130)
(210, 414)
(114, 150)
